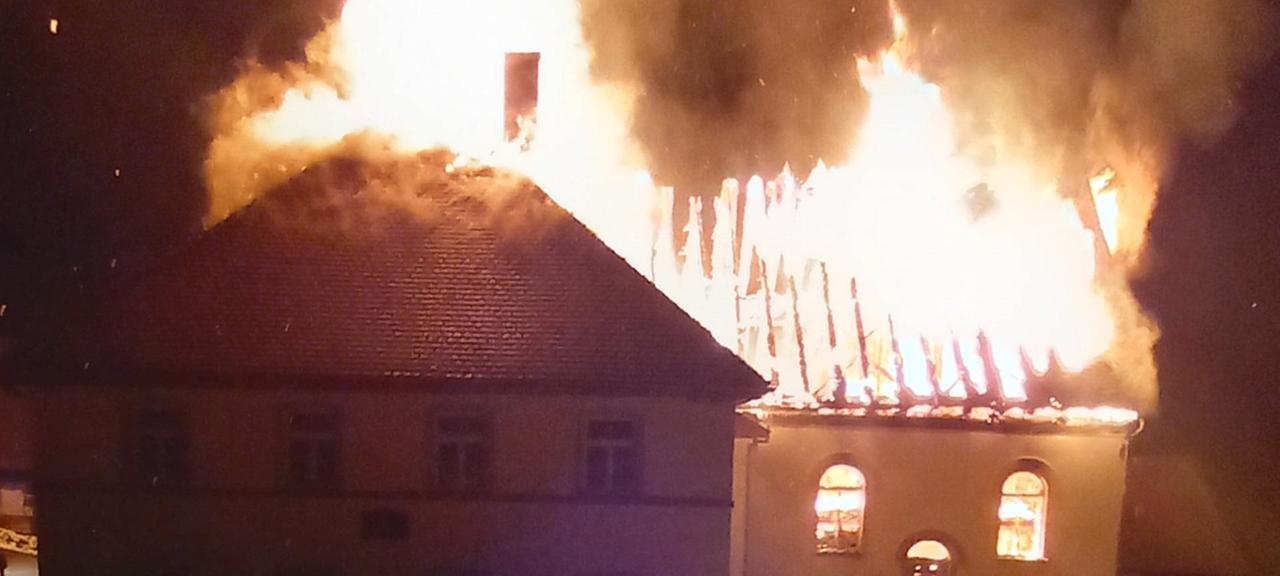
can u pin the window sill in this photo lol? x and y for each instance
(1016, 560)
(855, 553)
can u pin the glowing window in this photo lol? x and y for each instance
(1023, 503)
(928, 558)
(840, 506)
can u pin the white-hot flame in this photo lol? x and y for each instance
(950, 247)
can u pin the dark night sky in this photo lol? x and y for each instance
(122, 86)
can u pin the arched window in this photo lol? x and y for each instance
(1024, 500)
(841, 502)
(928, 558)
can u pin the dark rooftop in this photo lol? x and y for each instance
(400, 271)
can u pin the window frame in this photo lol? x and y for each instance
(314, 439)
(1040, 472)
(175, 431)
(856, 548)
(587, 443)
(437, 438)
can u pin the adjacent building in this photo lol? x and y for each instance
(396, 368)
(829, 492)
(345, 380)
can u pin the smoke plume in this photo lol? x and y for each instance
(733, 88)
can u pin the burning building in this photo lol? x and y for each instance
(955, 362)
(836, 491)
(374, 370)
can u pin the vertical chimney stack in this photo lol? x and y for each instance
(521, 92)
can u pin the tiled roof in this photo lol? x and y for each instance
(403, 271)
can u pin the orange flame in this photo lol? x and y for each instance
(900, 213)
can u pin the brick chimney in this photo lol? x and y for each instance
(521, 91)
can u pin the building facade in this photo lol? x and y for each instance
(175, 480)
(341, 381)
(827, 494)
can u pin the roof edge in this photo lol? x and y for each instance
(129, 377)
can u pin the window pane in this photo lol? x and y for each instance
(839, 506)
(477, 459)
(299, 461)
(175, 463)
(448, 465)
(1024, 483)
(161, 448)
(1022, 517)
(314, 422)
(929, 550)
(597, 468)
(462, 452)
(842, 476)
(149, 455)
(313, 451)
(327, 462)
(625, 470)
(929, 558)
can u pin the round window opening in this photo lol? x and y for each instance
(928, 558)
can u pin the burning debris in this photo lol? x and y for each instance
(934, 269)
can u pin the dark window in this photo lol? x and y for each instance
(612, 455)
(313, 454)
(161, 448)
(462, 449)
(384, 525)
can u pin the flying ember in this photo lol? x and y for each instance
(903, 274)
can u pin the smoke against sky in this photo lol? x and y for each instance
(736, 88)
(123, 85)
(732, 88)
(1068, 87)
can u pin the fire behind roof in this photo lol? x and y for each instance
(1002, 271)
(405, 272)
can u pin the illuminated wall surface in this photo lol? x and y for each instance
(235, 518)
(1012, 500)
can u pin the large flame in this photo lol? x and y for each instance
(970, 276)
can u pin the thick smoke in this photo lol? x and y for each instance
(728, 88)
(1080, 84)
(733, 88)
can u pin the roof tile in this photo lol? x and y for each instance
(470, 275)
